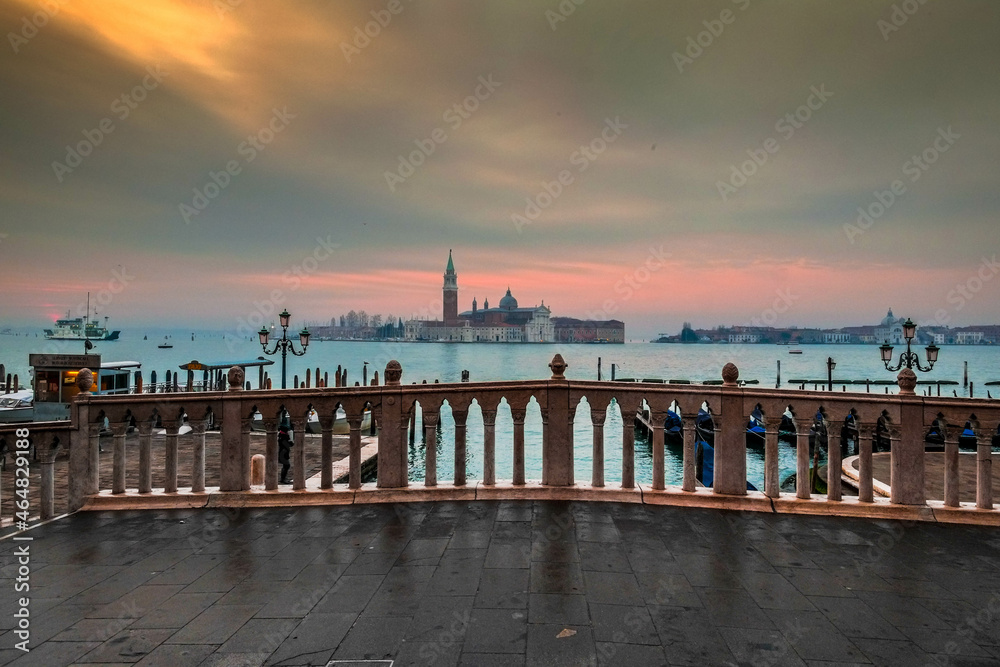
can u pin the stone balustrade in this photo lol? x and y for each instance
(904, 419)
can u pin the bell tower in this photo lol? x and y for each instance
(450, 292)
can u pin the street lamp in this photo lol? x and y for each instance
(909, 358)
(284, 343)
(830, 365)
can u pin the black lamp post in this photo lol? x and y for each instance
(830, 365)
(284, 343)
(909, 359)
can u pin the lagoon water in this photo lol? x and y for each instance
(445, 362)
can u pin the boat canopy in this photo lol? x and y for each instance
(196, 365)
(119, 365)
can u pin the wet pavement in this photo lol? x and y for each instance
(502, 583)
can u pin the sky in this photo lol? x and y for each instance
(208, 163)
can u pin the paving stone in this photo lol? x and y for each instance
(177, 611)
(313, 640)
(623, 625)
(547, 647)
(558, 608)
(503, 589)
(496, 631)
(630, 655)
(214, 625)
(129, 645)
(172, 655)
(760, 647)
(373, 639)
(612, 588)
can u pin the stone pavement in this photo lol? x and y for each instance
(503, 583)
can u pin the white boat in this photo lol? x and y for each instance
(18, 406)
(81, 328)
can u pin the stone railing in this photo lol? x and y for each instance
(904, 419)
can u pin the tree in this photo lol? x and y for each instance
(376, 321)
(363, 319)
(353, 320)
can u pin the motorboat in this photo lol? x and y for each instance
(18, 406)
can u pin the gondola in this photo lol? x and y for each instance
(755, 429)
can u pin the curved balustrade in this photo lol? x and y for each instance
(901, 419)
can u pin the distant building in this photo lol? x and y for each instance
(507, 323)
(891, 330)
(571, 330)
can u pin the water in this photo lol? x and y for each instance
(445, 362)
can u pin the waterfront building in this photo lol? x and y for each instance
(572, 330)
(891, 329)
(508, 322)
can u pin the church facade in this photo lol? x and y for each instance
(506, 323)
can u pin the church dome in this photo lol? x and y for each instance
(889, 319)
(508, 302)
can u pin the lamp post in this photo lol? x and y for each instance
(909, 359)
(830, 365)
(284, 343)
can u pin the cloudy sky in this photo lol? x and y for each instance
(652, 161)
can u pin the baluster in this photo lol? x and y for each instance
(518, 415)
(461, 416)
(984, 472)
(657, 419)
(326, 450)
(170, 456)
(951, 479)
(299, 454)
(628, 448)
(94, 436)
(145, 458)
(48, 491)
(118, 469)
(597, 418)
(270, 455)
(198, 456)
(246, 425)
(834, 488)
(430, 420)
(354, 475)
(802, 485)
(690, 472)
(489, 447)
(866, 493)
(545, 447)
(772, 483)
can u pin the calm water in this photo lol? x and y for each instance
(430, 361)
